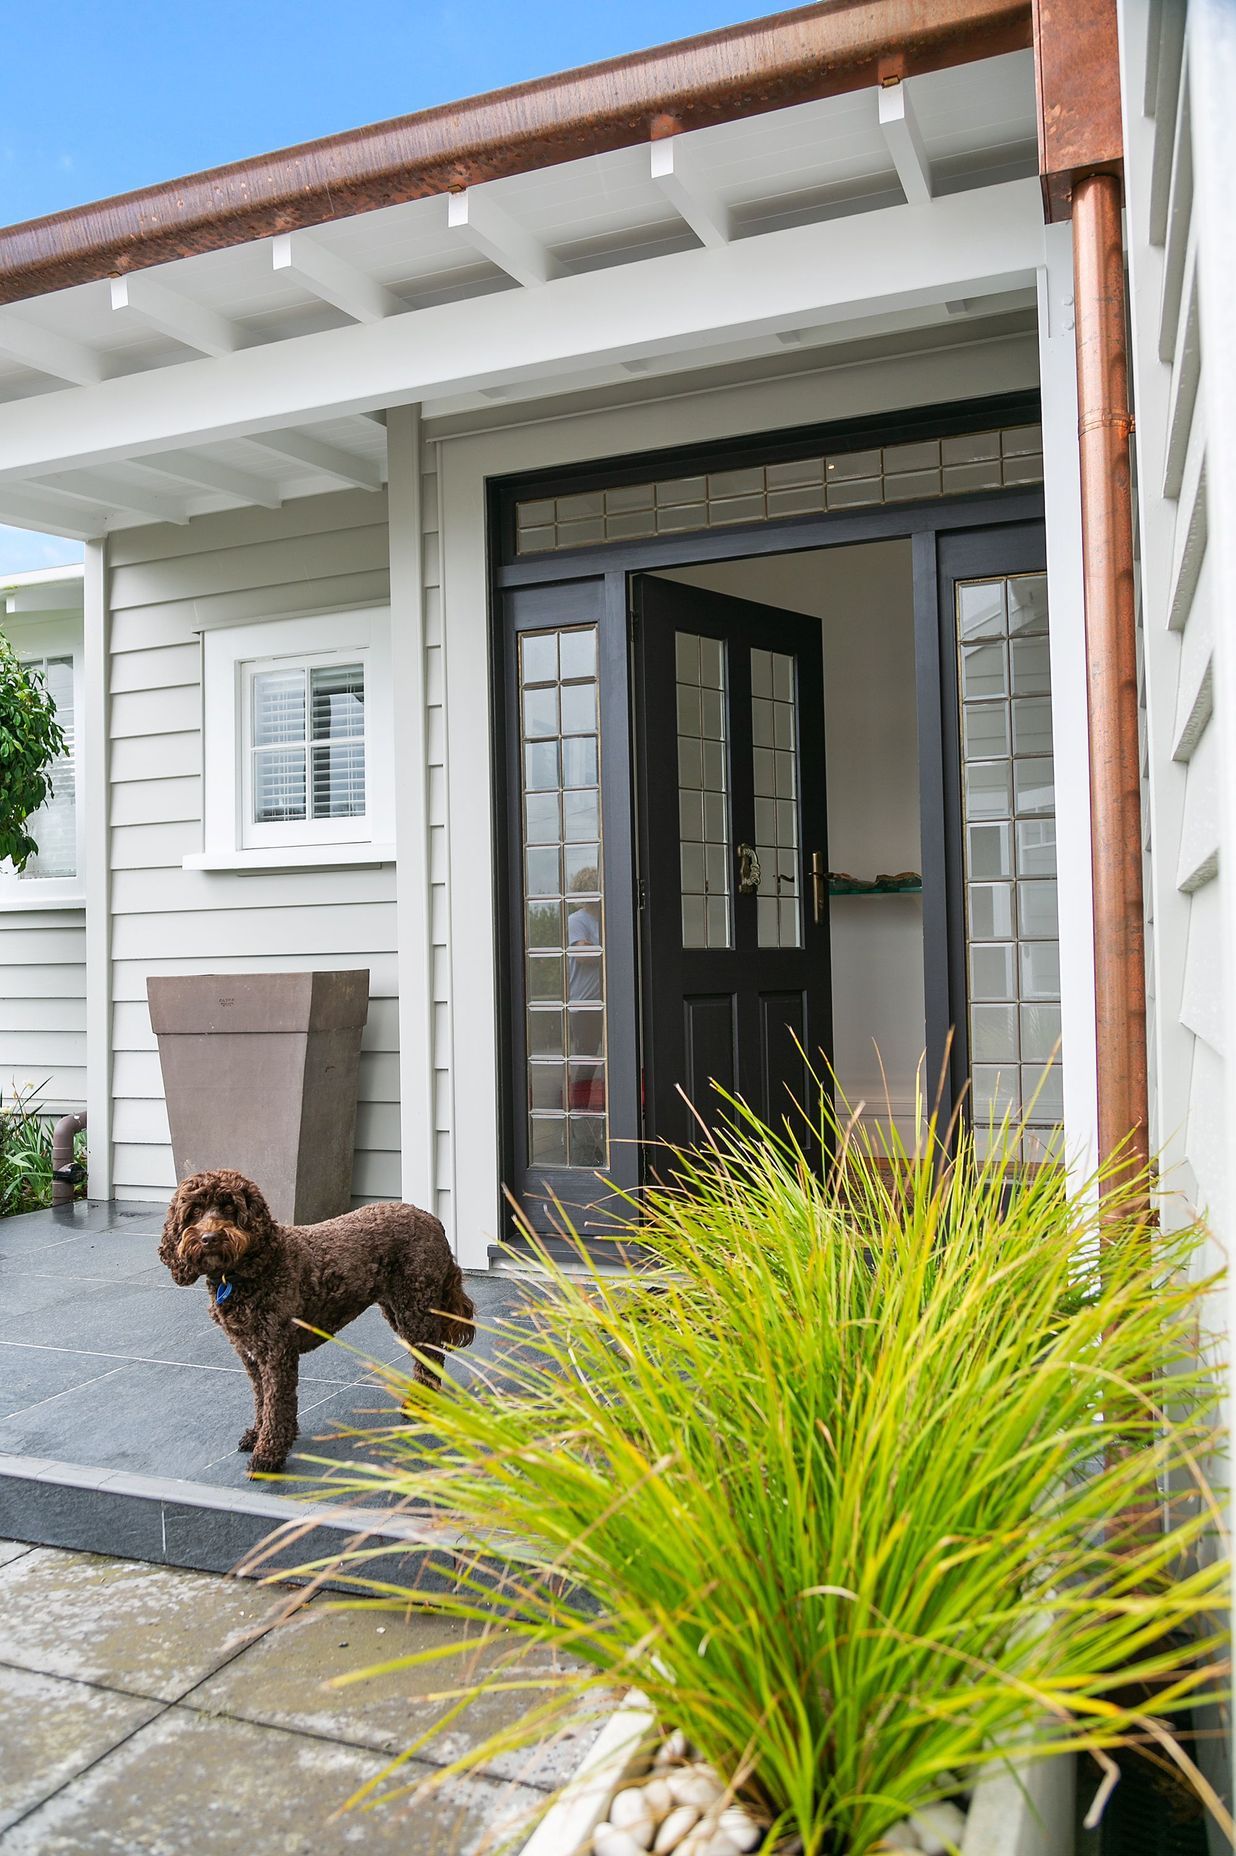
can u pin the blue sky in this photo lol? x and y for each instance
(118, 96)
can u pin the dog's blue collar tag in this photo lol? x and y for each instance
(223, 1291)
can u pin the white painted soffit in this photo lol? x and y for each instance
(260, 373)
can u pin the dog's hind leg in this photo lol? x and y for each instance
(277, 1427)
(249, 1438)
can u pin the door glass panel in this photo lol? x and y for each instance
(774, 733)
(703, 792)
(1010, 834)
(564, 955)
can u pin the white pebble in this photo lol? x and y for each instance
(682, 1818)
(721, 1845)
(743, 1831)
(696, 1785)
(659, 1798)
(900, 1837)
(629, 1811)
(940, 1827)
(608, 1840)
(675, 1748)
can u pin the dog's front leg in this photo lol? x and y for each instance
(249, 1438)
(277, 1424)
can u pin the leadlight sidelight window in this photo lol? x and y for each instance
(564, 947)
(308, 743)
(774, 736)
(703, 791)
(967, 461)
(1009, 812)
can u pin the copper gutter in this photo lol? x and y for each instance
(1104, 428)
(765, 64)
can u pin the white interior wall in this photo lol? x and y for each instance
(863, 597)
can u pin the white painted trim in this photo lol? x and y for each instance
(138, 297)
(43, 899)
(465, 465)
(291, 857)
(322, 273)
(689, 193)
(1069, 710)
(899, 126)
(58, 356)
(960, 247)
(95, 770)
(476, 216)
(414, 952)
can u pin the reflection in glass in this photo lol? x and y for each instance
(774, 728)
(563, 910)
(703, 791)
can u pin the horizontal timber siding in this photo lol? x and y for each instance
(166, 586)
(43, 1006)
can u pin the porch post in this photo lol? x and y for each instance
(414, 952)
(1111, 651)
(96, 647)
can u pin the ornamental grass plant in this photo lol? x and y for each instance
(865, 1479)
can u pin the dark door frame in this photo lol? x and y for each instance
(926, 525)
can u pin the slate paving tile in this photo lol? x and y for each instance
(29, 1285)
(282, 1680)
(28, 1375)
(144, 1630)
(118, 1317)
(189, 1783)
(157, 1419)
(115, 1255)
(54, 1729)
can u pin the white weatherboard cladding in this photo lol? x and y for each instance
(43, 1006)
(167, 585)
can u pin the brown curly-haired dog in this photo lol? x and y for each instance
(266, 1277)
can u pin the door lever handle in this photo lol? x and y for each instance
(819, 887)
(749, 872)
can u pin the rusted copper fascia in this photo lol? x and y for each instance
(1077, 87)
(766, 64)
(1103, 429)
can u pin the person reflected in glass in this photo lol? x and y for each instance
(584, 990)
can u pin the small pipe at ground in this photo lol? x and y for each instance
(64, 1184)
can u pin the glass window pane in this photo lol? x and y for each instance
(278, 785)
(579, 761)
(54, 825)
(542, 876)
(540, 712)
(547, 1140)
(991, 851)
(338, 779)
(1040, 1032)
(985, 730)
(278, 706)
(541, 766)
(545, 977)
(579, 708)
(1032, 725)
(984, 671)
(993, 970)
(989, 789)
(993, 1033)
(577, 652)
(538, 657)
(703, 791)
(337, 702)
(1036, 846)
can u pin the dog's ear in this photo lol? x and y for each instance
(256, 1218)
(181, 1212)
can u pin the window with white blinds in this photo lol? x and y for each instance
(54, 826)
(305, 749)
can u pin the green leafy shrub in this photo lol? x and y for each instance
(866, 1480)
(30, 740)
(26, 1154)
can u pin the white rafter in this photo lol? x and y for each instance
(209, 474)
(88, 486)
(52, 354)
(29, 508)
(333, 279)
(331, 460)
(839, 272)
(489, 229)
(677, 174)
(905, 142)
(139, 298)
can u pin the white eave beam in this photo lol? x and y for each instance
(57, 355)
(95, 487)
(27, 508)
(332, 279)
(675, 171)
(209, 474)
(480, 222)
(140, 299)
(330, 460)
(961, 246)
(905, 142)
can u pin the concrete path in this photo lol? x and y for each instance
(146, 1711)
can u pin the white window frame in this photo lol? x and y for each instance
(231, 656)
(33, 641)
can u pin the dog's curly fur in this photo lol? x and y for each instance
(325, 1275)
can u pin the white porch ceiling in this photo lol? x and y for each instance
(273, 325)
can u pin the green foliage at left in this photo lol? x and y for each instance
(26, 1155)
(30, 740)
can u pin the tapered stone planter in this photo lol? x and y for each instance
(260, 1073)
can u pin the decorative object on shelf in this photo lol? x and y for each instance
(904, 883)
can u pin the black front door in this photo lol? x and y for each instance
(733, 858)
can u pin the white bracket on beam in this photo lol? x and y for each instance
(905, 142)
(333, 279)
(90, 486)
(141, 299)
(490, 229)
(51, 353)
(209, 474)
(361, 473)
(689, 193)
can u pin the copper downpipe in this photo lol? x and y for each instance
(1104, 427)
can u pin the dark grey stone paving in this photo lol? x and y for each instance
(106, 1365)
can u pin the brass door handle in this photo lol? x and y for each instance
(748, 869)
(819, 887)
